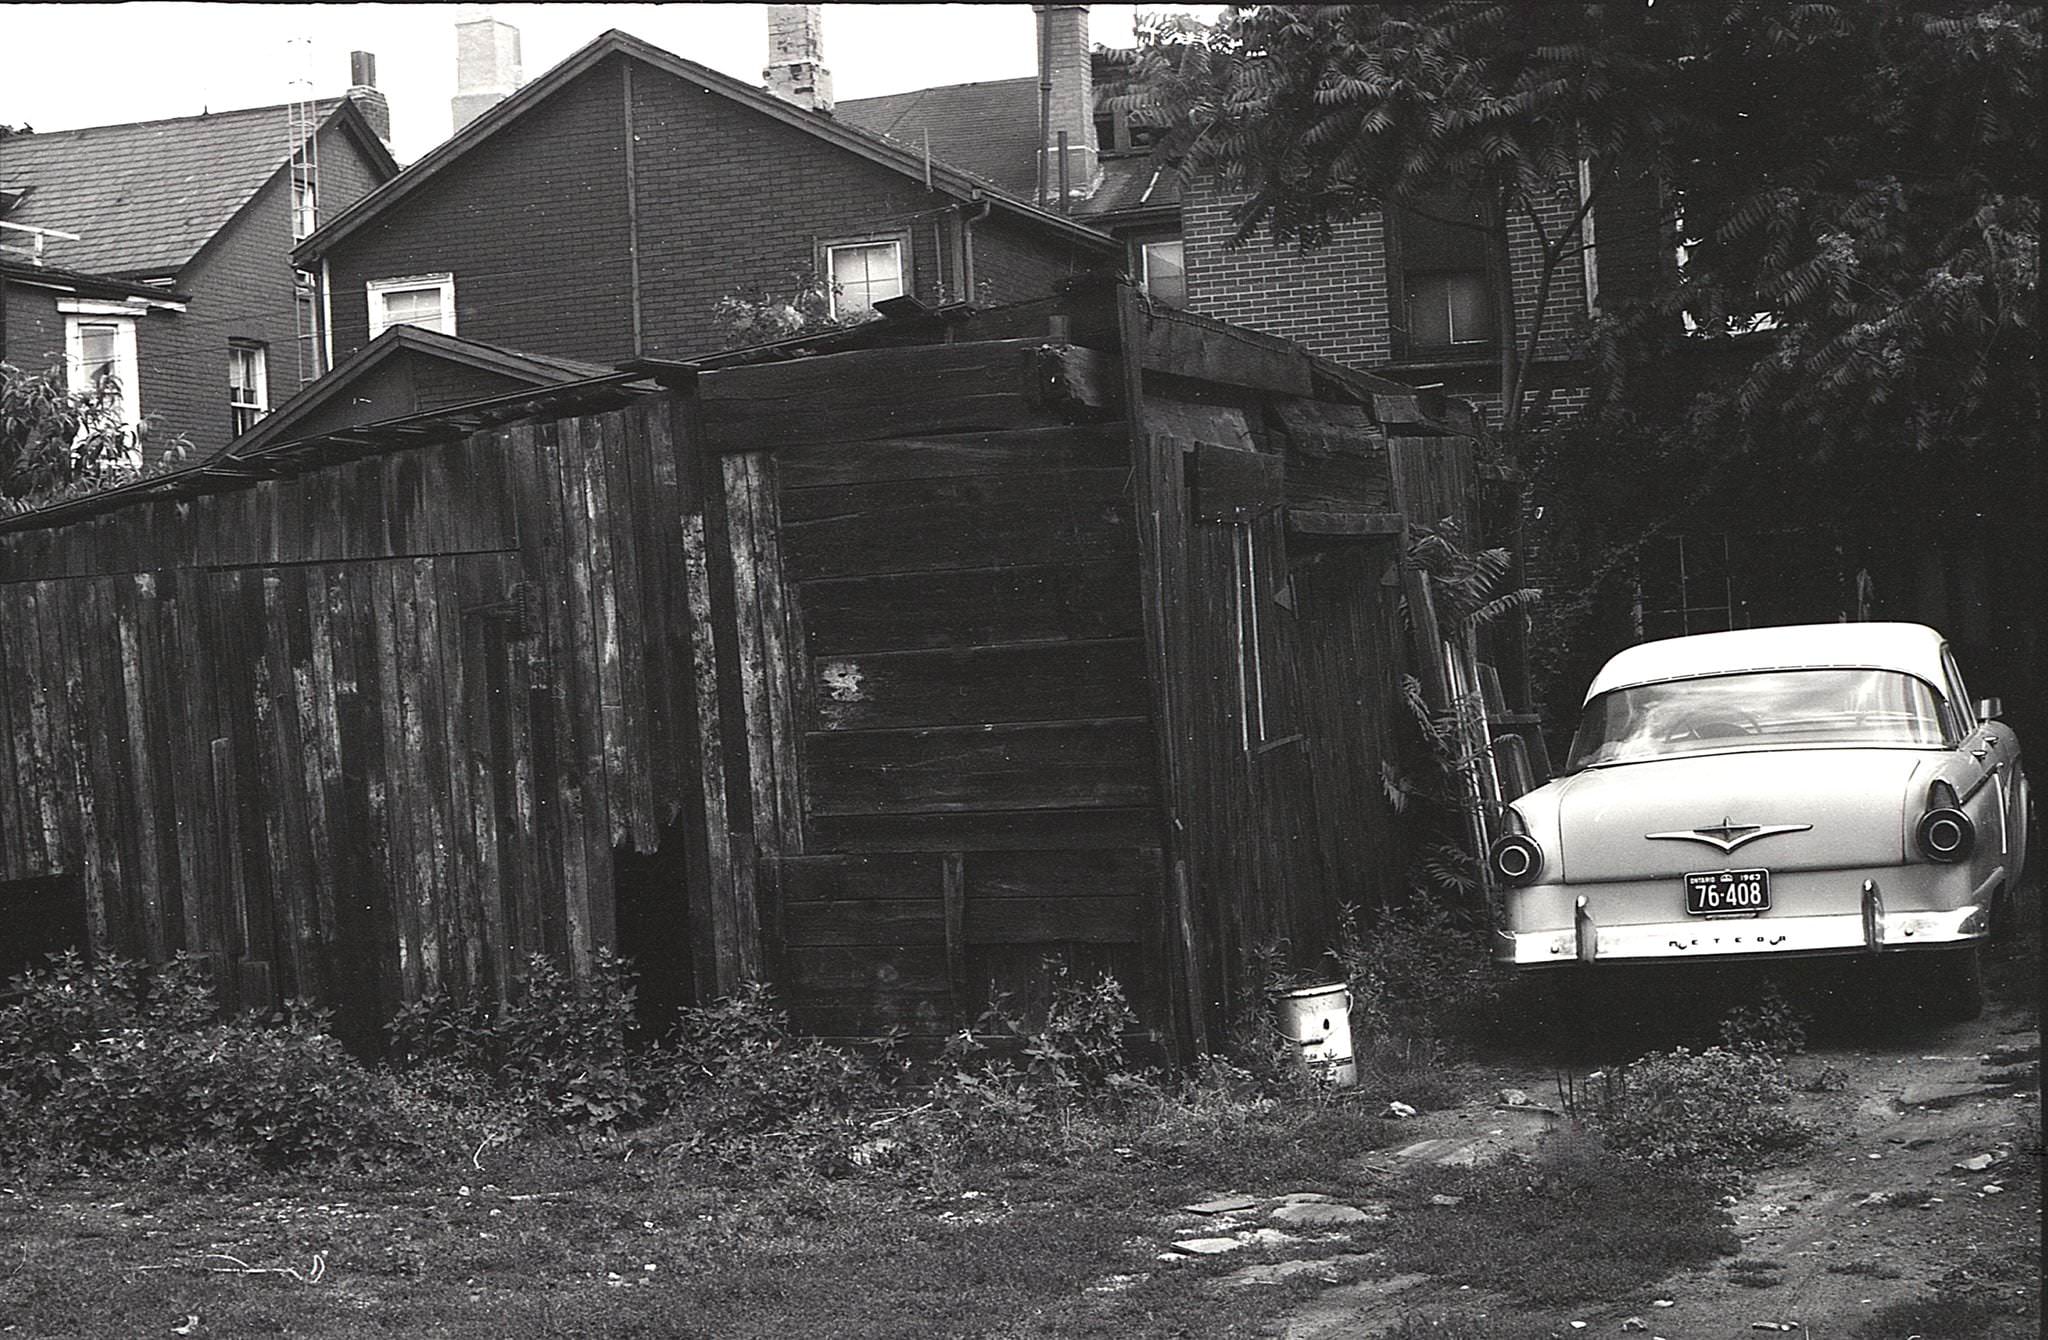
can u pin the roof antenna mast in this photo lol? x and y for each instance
(302, 117)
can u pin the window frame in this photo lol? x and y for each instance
(1493, 276)
(258, 406)
(898, 239)
(1142, 249)
(79, 314)
(376, 290)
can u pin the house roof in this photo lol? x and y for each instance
(276, 429)
(854, 138)
(146, 196)
(988, 128)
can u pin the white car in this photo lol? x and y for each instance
(1819, 789)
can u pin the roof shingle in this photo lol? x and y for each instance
(146, 196)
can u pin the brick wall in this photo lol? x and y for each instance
(35, 330)
(1335, 300)
(531, 223)
(1013, 263)
(734, 200)
(1332, 301)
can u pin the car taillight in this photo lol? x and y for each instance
(1515, 859)
(1946, 834)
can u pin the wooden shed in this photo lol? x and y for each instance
(883, 668)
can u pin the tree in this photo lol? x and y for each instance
(1853, 184)
(56, 443)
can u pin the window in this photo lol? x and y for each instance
(305, 209)
(427, 301)
(1441, 248)
(248, 386)
(863, 274)
(1162, 272)
(99, 340)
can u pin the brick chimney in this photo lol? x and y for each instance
(1066, 77)
(486, 67)
(368, 98)
(796, 56)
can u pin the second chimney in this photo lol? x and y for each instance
(368, 98)
(1067, 77)
(486, 67)
(796, 56)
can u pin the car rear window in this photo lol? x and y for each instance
(1760, 709)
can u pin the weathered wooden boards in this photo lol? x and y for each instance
(976, 754)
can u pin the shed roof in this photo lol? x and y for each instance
(283, 426)
(1908, 647)
(146, 196)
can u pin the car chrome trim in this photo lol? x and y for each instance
(1843, 933)
(1728, 836)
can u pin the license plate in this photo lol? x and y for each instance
(1720, 892)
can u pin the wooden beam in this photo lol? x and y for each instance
(1184, 345)
(876, 393)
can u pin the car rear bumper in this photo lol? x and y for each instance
(1870, 929)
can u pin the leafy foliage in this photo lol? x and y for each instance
(561, 1043)
(114, 1060)
(1853, 185)
(56, 443)
(1713, 1113)
(799, 303)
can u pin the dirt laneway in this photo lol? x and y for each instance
(1922, 1186)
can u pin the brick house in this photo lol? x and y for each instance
(601, 211)
(193, 218)
(1404, 295)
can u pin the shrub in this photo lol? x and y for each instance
(561, 1044)
(1771, 1024)
(1074, 1047)
(287, 1096)
(1712, 1114)
(1420, 970)
(735, 1069)
(117, 1059)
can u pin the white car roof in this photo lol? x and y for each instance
(1908, 647)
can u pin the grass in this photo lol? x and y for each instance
(552, 1237)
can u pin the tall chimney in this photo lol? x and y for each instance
(1066, 68)
(796, 56)
(368, 98)
(486, 67)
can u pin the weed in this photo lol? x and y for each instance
(1752, 1273)
(1770, 1024)
(1418, 971)
(1715, 1113)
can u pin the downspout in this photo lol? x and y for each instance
(632, 208)
(982, 205)
(326, 317)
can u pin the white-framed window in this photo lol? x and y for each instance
(305, 208)
(1162, 271)
(248, 385)
(426, 301)
(100, 356)
(861, 272)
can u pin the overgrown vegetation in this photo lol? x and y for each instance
(1713, 1114)
(57, 443)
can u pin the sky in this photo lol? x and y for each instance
(69, 65)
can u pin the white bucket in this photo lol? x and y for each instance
(1318, 1020)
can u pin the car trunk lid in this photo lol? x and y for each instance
(1842, 807)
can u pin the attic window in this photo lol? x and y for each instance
(426, 301)
(863, 272)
